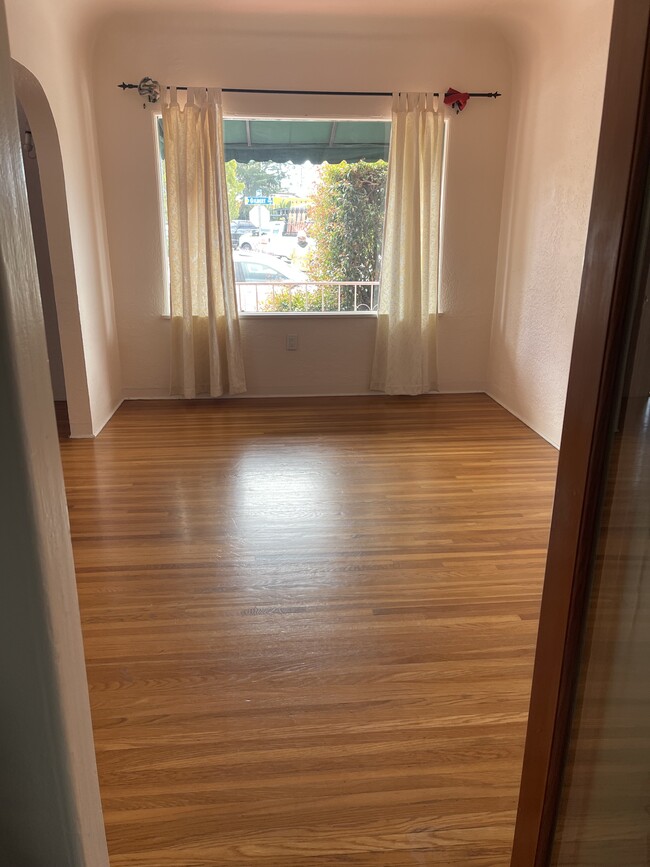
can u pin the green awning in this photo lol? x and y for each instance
(299, 141)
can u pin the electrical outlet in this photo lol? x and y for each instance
(292, 341)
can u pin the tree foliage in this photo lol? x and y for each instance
(307, 299)
(235, 189)
(347, 222)
(264, 179)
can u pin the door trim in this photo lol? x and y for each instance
(621, 170)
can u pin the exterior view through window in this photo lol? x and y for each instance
(306, 201)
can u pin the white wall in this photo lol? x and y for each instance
(557, 105)
(55, 51)
(307, 53)
(51, 810)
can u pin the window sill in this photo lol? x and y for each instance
(297, 314)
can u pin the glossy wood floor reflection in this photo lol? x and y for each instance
(309, 627)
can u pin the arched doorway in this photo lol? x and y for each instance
(52, 235)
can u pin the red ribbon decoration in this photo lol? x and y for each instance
(456, 99)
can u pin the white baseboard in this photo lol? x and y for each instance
(476, 389)
(81, 431)
(160, 394)
(163, 394)
(522, 417)
(100, 427)
(257, 395)
(146, 394)
(84, 431)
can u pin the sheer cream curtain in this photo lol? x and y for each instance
(206, 345)
(405, 349)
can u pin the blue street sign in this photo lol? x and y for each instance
(258, 200)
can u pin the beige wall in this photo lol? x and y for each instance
(55, 51)
(287, 52)
(557, 105)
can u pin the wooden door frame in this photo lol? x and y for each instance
(619, 186)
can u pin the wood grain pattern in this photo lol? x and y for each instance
(309, 627)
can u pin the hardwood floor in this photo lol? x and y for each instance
(309, 627)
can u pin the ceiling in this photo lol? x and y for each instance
(502, 13)
(340, 8)
(517, 21)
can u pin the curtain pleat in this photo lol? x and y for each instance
(405, 348)
(206, 354)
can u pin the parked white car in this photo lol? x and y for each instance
(256, 239)
(257, 275)
(269, 240)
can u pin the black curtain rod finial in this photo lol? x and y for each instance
(148, 87)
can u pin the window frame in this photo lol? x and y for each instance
(166, 311)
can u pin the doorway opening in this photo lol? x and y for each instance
(44, 269)
(54, 257)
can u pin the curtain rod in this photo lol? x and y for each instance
(138, 87)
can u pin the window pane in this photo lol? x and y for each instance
(321, 222)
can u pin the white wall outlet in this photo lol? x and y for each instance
(292, 341)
